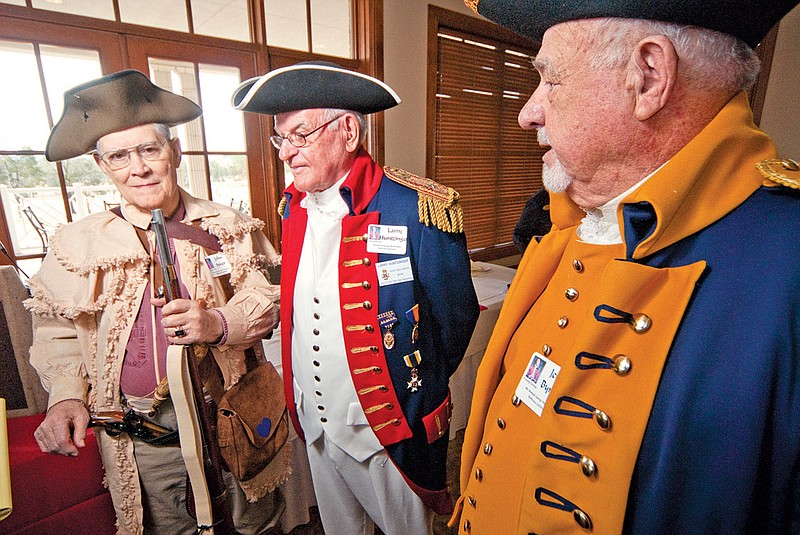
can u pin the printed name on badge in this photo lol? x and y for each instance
(537, 382)
(394, 271)
(218, 264)
(390, 239)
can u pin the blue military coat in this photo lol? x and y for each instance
(409, 415)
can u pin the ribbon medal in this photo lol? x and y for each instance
(387, 321)
(412, 360)
(413, 316)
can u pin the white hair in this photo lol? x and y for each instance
(708, 59)
(332, 113)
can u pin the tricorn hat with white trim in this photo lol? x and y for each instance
(749, 20)
(313, 84)
(109, 104)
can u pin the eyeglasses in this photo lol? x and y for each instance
(121, 158)
(298, 140)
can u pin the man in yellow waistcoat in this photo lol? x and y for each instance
(661, 314)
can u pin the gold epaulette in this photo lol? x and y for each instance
(282, 207)
(785, 172)
(472, 4)
(437, 203)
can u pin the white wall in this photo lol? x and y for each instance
(405, 70)
(781, 116)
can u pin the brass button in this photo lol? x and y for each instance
(367, 305)
(501, 423)
(390, 406)
(369, 328)
(467, 526)
(479, 474)
(622, 365)
(563, 321)
(374, 349)
(790, 165)
(546, 349)
(472, 501)
(588, 467)
(602, 419)
(366, 285)
(487, 449)
(395, 422)
(516, 401)
(366, 262)
(571, 294)
(384, 388)
(577, 265)
(582, 519)
(641, 323)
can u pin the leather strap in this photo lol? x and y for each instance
(182, 231)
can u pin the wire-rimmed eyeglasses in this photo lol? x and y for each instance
(120, 158)
(298, 140)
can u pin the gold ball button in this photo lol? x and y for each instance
(588, 467)
(577, 265)
(582, 519)
(487, 449)
(622, 365)
(641, 323)
(602, 419)
(571, 294)
(563, 321)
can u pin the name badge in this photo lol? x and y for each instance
(387, 239)
(537, 382)
(394, 271)
(218, 264)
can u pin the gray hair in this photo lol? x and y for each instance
(709, 59)
(332, 113)
(161, 129)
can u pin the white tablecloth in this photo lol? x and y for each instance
(491, 283)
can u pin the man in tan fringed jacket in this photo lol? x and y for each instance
(101, 326)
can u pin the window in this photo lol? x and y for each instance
(478, 147)
(201, 49)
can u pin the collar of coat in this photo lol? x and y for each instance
(357, 190)
(709, 177)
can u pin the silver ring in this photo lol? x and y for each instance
(179, 332)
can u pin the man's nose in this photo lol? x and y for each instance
(532, 114)
(287, 150)
(138, 164)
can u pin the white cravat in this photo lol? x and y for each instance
(601, 226)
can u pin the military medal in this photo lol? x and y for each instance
(413, 316)
(412, 360)
(387, 320)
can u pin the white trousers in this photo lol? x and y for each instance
(354, 496)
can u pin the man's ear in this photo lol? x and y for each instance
(654, 72)
(352, 132)
(177, 153)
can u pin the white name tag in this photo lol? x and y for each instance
(537, 382)
(394, 271)
(387, 239)
(218, 264)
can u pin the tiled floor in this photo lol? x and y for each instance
(439, 522)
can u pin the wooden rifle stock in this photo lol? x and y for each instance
(206, 410)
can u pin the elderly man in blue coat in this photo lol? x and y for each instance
(377, 303)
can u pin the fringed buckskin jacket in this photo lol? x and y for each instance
(672, 402)
(86, 297)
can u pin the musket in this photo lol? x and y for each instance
(222, 523)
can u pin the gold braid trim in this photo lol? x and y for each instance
(282, 206)
(472, 4)
(437, 203)
(785, 172)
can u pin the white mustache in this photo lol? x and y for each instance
(542, 137)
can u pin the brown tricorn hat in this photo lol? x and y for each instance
(109, 104)
(749, 20)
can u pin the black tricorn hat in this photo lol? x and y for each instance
(749, 20)
(313, 84)
(109, 104)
